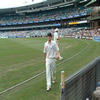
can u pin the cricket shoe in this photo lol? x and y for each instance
(48, 88)
(53, 82)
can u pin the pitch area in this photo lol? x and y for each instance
(21, 59)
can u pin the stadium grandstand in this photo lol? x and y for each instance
(59, 14)
(23, 31)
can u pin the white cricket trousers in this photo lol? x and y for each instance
(50, 68)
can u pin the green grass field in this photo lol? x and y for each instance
(20, 59)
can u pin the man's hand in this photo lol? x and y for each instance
(58, 39)
(57, 57)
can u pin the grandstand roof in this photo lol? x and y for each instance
(92, 3)
(52, 4)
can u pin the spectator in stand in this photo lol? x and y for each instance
(96, 93)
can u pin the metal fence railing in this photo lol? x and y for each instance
(81, 84)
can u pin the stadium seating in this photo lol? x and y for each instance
(38, 33)
(44, 15)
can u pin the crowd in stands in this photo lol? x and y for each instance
(38, 33)
(89, 33)
(62, 32)
(45, 15)
(35, 33)
(13, 33)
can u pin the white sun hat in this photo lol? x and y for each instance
(56, 29)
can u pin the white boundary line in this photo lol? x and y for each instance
(41, 72)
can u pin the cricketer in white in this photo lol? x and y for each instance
(56, 38)
(51, 54)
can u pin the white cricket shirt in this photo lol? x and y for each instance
(51, 49)
(55, 37)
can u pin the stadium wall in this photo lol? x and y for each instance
(81, 85)
(16, 36)
(97, 38)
